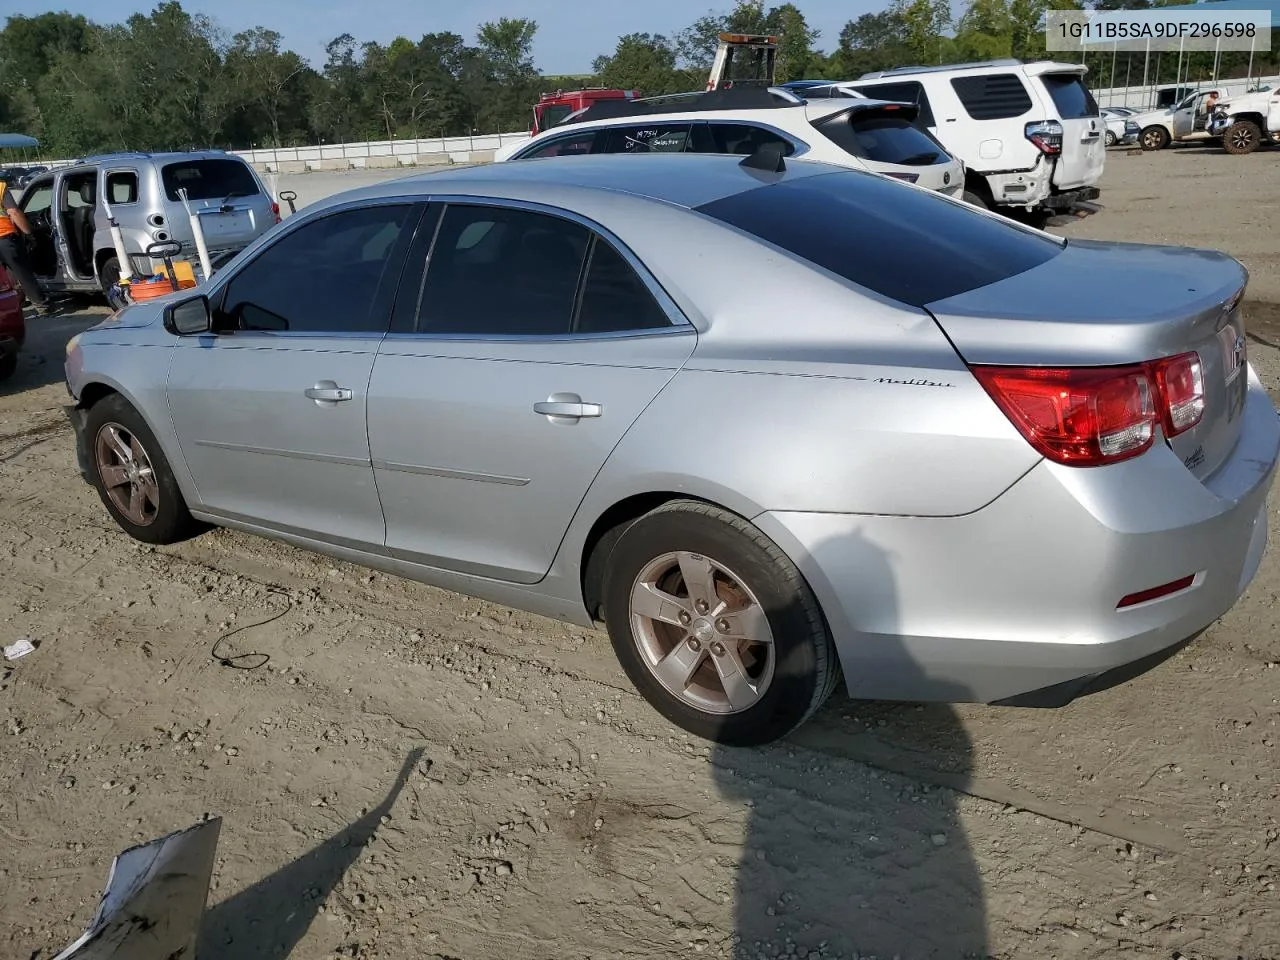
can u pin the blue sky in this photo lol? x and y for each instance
(571, 33)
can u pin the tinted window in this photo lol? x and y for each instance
(883, 140)
(325, 277)
(554, 114)
(1070, 95)
(743, 139)
(122, 187)
(208, 179)
(992, 96)
(614, 298)
(912, 246)
(568, 146)
(38, 197)
(910, 91)
(648, 138)
(498, 271)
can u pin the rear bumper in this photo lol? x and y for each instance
(1066, 200)
(1017, 602)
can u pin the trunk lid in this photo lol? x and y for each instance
(225, 195)
(1084, 148)
(1103, 304)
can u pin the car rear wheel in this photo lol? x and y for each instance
(108, 274)
(1154, 138)
(132, 476)
(1241, 137)
(715, 626)
(976, 199)
(1111, 139)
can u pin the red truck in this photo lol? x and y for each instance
(551, 108)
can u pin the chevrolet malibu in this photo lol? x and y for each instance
(775, 424)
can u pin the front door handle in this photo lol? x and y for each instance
(566, 407)
(326, 393)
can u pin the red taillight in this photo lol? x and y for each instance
(1046, 135)
(275, 209)
(908, 177)
(1090, 416)
(1180, 381)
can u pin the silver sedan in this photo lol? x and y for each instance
(773, 427)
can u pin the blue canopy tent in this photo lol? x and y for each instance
(17, 141)
(1101, 45)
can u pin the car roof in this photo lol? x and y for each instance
(678, 179)
(172, 156)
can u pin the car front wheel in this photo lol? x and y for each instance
(1154, 138)
(1111, 139)
(132, 476)
(1241, 137)
(715, 626)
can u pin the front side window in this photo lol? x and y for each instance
(38, 198)
(327, 276)
(566, 146)
(212, 179)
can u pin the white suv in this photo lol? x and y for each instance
(1030, 135)
(861, 133)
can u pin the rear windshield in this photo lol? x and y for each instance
(883, 140)
(1070, 95)
(909, 245)
(208, 179)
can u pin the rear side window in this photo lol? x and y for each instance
(911, 246)
(649, 138)
(571, 145)
(883, 139)
(1070, 95)
(122, 187)
(614, 298)
(910, 91)
(993, 96)
(742, 139)
(213, 179)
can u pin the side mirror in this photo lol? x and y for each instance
(189, 317)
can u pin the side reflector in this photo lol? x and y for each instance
(1155, 593)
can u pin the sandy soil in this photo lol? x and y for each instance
(405, 773)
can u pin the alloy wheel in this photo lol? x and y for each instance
(127, 474)
(702, 633)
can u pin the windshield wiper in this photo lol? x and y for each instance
(920, 159)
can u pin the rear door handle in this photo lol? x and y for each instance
(327, 392)
(567, 406)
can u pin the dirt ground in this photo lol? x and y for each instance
(405, 773)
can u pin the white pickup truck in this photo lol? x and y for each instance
(1246, 122)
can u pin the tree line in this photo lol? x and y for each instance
(172, 79)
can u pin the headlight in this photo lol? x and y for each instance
(72, 344)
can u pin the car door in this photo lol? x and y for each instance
(536, 343)
(37, 205)
(1184, 117)
(270, 410)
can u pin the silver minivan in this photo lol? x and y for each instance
(72, 250)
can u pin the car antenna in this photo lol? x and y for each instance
(767, 157)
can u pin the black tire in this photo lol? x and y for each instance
(1154, 138)
(8, 366)
(1111, 139)
(805, 666)
(108, 274)
(168, 521)
(1241, 138)
(976, 199)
